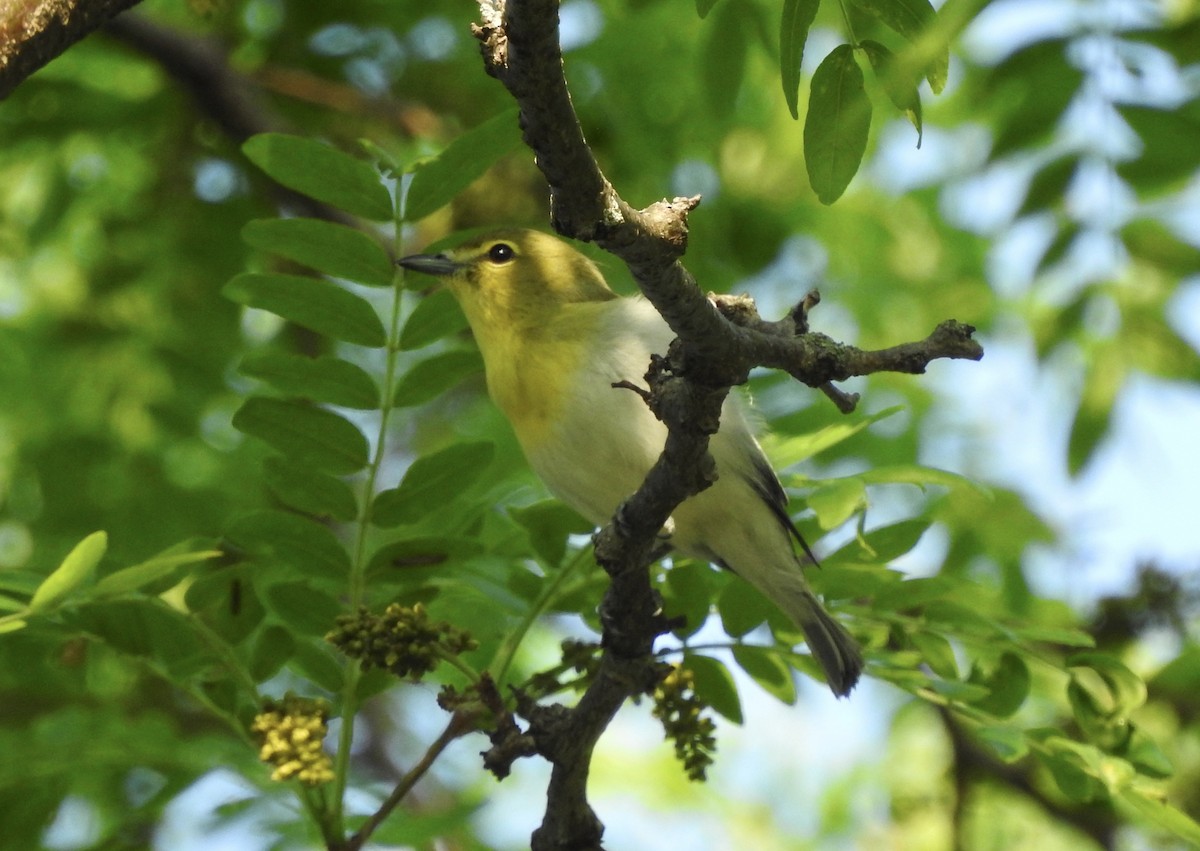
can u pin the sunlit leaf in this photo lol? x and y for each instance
(792, 450)
(1162, 814)
(837, 501)
(71, 573)
(152, 570)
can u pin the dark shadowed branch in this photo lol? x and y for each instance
(717, 346)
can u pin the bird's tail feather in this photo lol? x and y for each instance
(833, 647)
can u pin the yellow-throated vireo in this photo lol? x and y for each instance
(554, 338)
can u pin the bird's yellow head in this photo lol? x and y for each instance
(514, 280)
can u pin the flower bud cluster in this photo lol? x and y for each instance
(402, 640)
(682, 715)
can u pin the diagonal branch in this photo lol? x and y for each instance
(33, 32)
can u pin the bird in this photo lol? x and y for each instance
(555, 338)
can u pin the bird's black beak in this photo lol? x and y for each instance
(430, 264)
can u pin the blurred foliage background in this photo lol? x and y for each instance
(1054, 202)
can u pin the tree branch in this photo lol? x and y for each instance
(33, 32)
(717, 346)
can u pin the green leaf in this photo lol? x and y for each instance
(549, 523)
(837, 124)
(435, 182)
(798, 16)
(311, 436)
(322, 379)
(916, 474)
(433, 376)
(322, 246)
(723, 63)
(71, 573)
(412, 559)
(1158, 812)
(765, 667)
(1006, 743)
(316, 304)
(885, 544)
(304, 609)
(321, 172)
(146, 628)
(836, 501)
(914, 593)
(1030, 90)
(277, 537)
(309, 490)
(1070, 777)
(1008, 686)
(742, 608)
(1163, 161)
(688, 594)
(1056, 635)
(272, 649)
(435, 316)
(912, 19)
(901, 88)
(318, 662)
(1145, 754)
(703, 7)
(1126, 688)
(431, 482)
(792, 450)
(153, 569)
(12, 625)
(1049, 186)
(714, 685)
(937, 653)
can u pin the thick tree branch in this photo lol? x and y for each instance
(32, 32)
(520, 48)
(717, 345)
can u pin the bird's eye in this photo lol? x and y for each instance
(501, 252)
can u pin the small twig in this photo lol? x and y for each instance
(460, 724)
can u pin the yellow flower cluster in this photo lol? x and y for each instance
(290, 733)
